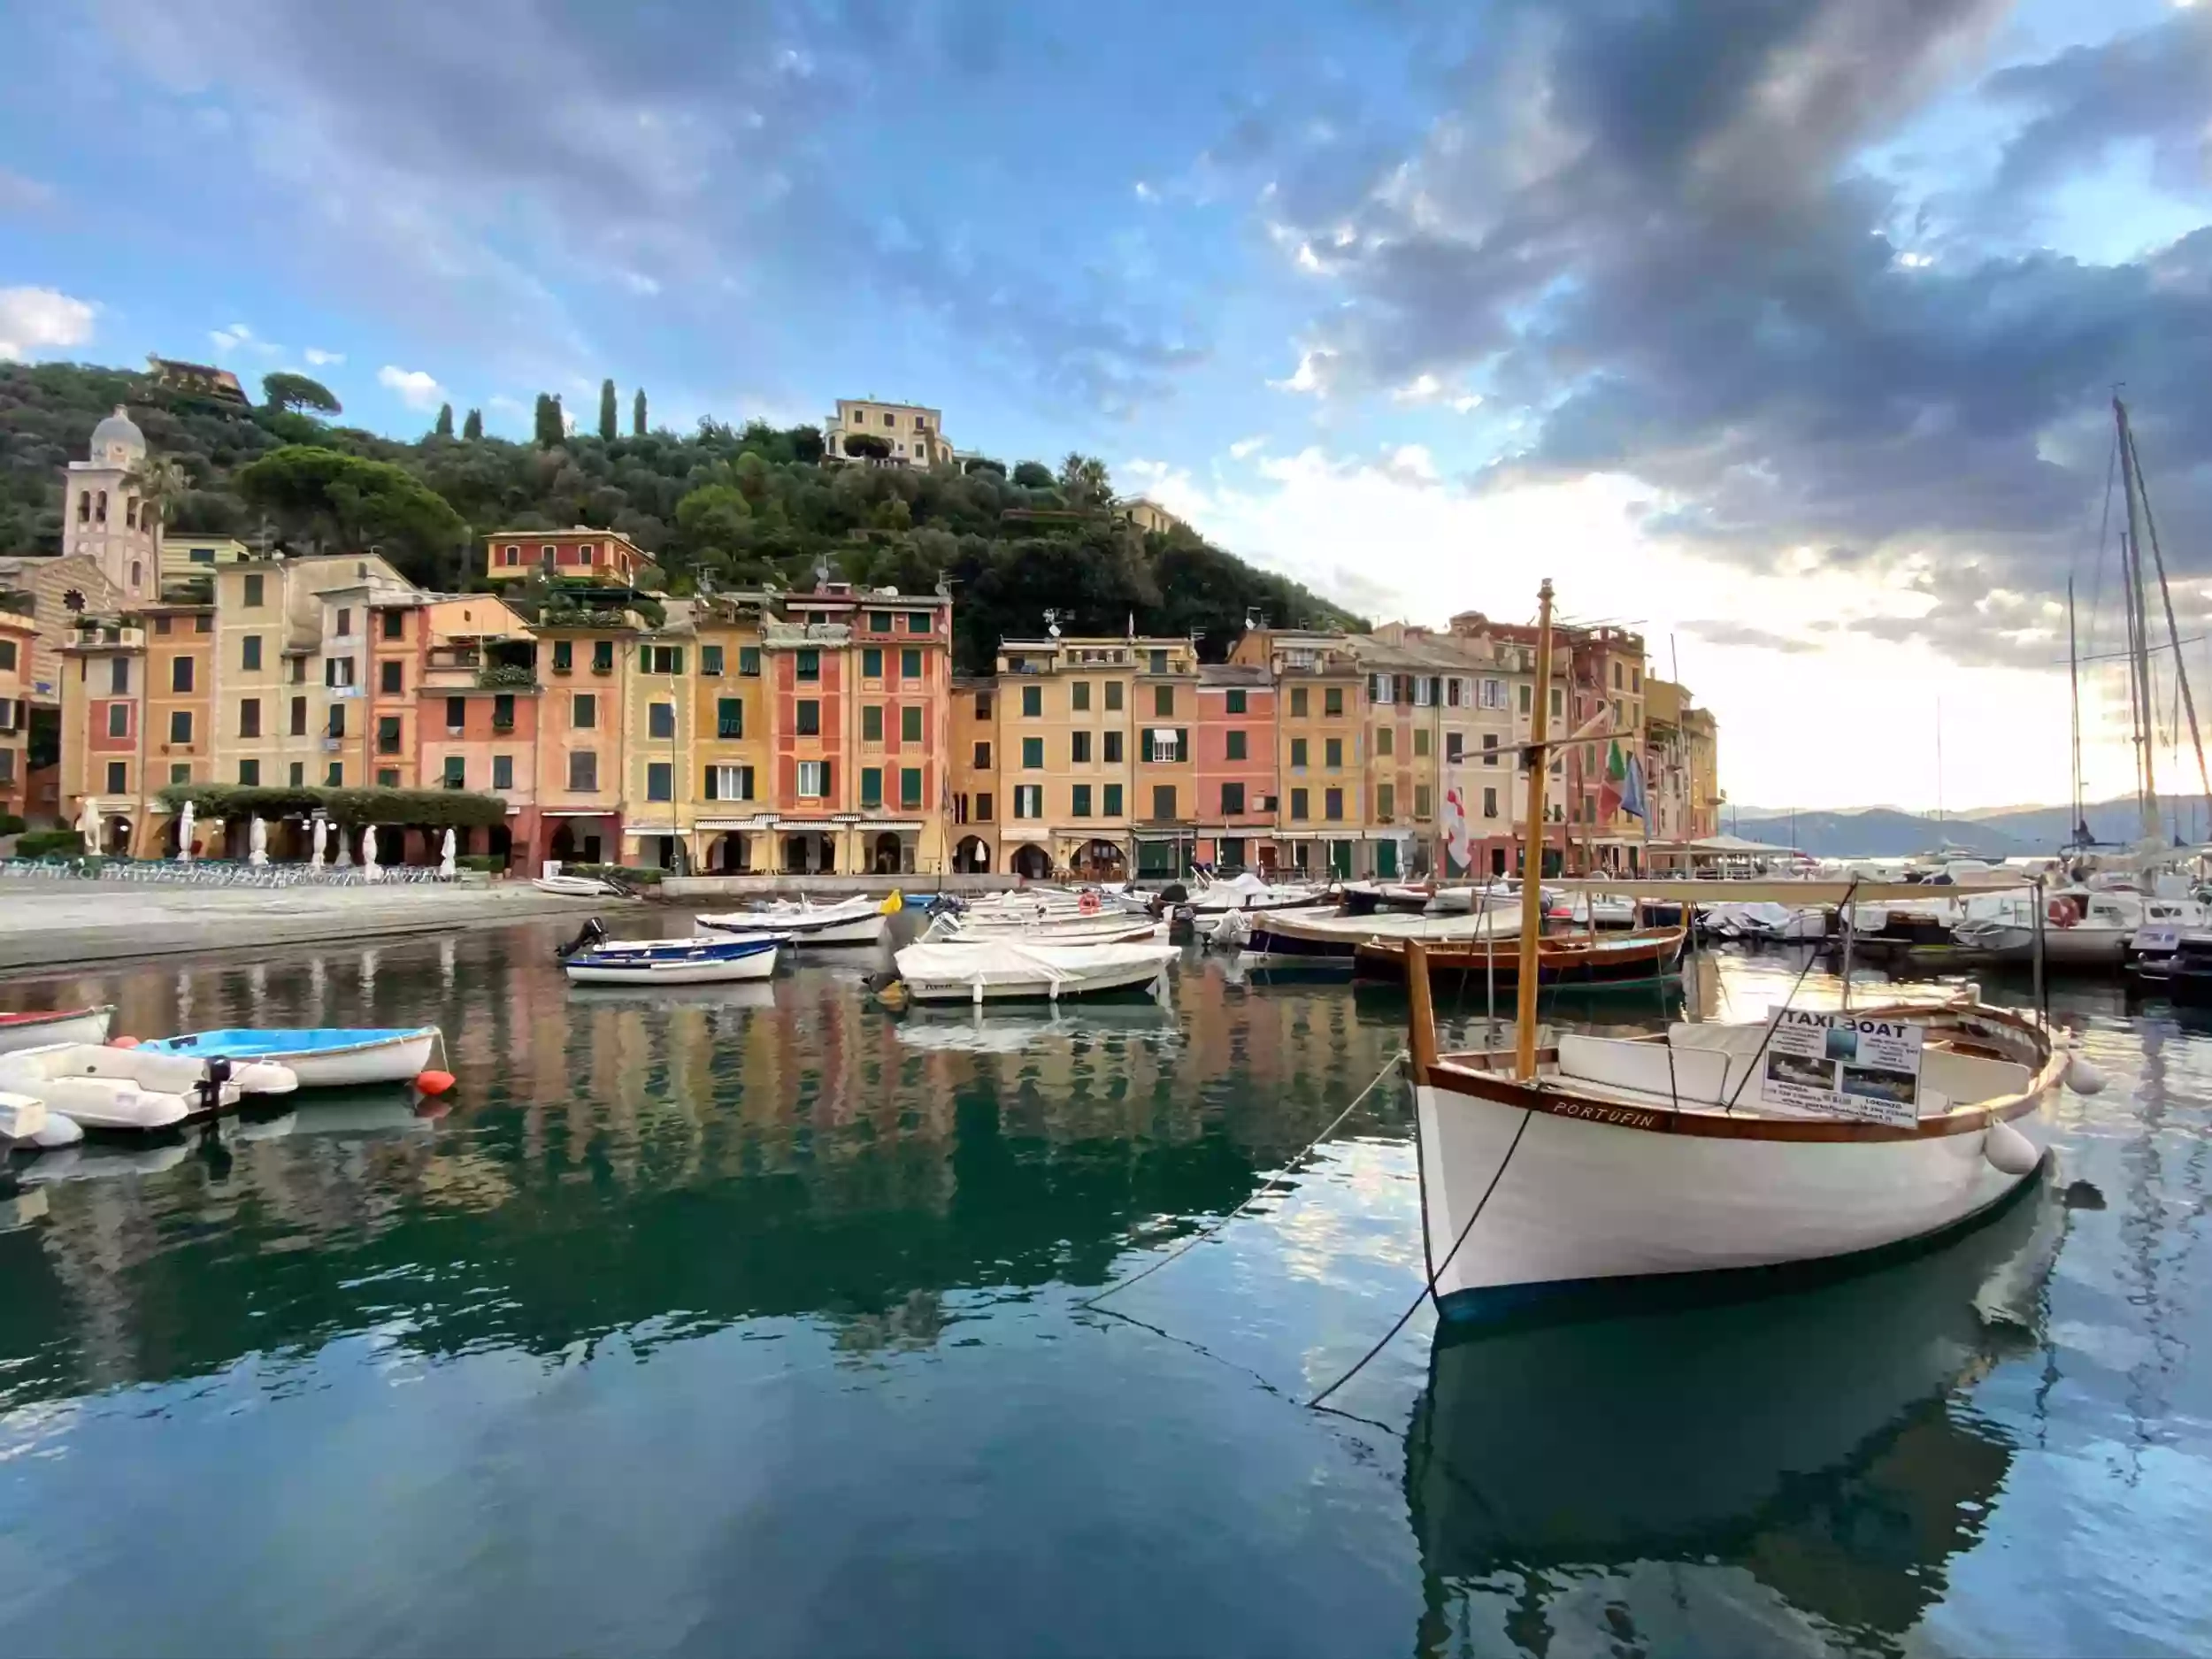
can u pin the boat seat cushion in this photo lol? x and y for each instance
(1687, 1073)
(1970, 1078)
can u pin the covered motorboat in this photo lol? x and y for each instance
(1009, 970)
(320, 1058)
(855, 921)
(48, 1027)
(138, 1088)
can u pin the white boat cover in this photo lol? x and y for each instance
(1008, 963)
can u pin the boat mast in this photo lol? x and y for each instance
(2139, 500)
(1538, 758)
(2138, 635)
(2073, 676)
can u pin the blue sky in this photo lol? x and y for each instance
(1782, 330)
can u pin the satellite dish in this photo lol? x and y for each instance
(1053, 628)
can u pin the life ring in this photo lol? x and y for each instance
(2060, 913)
(1088, 905)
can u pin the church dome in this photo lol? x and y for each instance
(117, 436)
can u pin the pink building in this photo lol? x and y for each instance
(1234, 763)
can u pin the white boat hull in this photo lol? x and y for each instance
(1581, 1200)
(864, 929)
(88, 1025)
(2086, 945)
(1008, 972)
(760, 964)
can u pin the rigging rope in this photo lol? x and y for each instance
(1204, 1233)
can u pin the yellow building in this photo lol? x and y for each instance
(185, 555)
(586, 661)
(724, 801)
(913, 433)
(974, 762)
(1321, 813)
(1148, 516)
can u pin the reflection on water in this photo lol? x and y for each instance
(750, 1317)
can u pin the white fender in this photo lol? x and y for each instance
(59, 1132)
(2083, 1077)
(2008, 1150)
(263, 1077)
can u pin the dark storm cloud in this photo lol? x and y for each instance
(1650, 227)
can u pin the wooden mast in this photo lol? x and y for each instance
(2132, 472)
(1539, 760)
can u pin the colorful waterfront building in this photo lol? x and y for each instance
(578, 554)
(1234, 765)
(724, 797)
(973, 764)
(1321, 812)
(18, 634)
(586, 665)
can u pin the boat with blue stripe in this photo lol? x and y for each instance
(592, 958)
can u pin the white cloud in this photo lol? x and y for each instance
(20, 194)
(34, 319)
(238, 337)
(1315, 371)
(317, 358)
(416, 388)
(1246, 447)
(1145, 192)
(638, 283)
(1467, 404)
(1423, 389)
(501, 401)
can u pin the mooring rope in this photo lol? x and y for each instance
(1204, 1233)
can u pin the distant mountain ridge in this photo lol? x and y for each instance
(1998, 833)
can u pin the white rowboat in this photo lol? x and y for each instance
(320, 1058)
(44, 1029)
(1004, 970)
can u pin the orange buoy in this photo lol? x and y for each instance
(122, 1042)
(435, 1082)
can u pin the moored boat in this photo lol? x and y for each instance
(1322, 936)
(1560, 959)
(706, 960)
(48, 1027)
(1007, 969)
(856, 921)
(139, 1088)
(318, 1057)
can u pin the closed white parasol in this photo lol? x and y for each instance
(322, 837)
(369, 871)
(184, 833)
(257, 843)
(445, 858)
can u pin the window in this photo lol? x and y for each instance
(1524, 699)
(1454, 747)
(1421, 743)
(1298, 703)
(395, 624)
(921, 621)
(338, 671)
(456, 774)
(503, 772)
(387, 777)
(1557, 707)
(1231, 800)
(1033, 754)
(809, 714)
(871, 662)
(910, 724)
(1386, 802)
(1161, 745)
(1333, 753)
(118, 720)
(1425, 691)
(7, 654)
(910, 789)
(1029, 800)
(337, 719)
(504, 711)
(1421, 801)
(387, 734)
(1490, 803)
(710, 660)
(1298, 753)
(249, 717)
(748, 661)
(1298, 806)
(1080, 801)
(119, 676)
(1617, 676)
(909, 664)
(1386, 744)
(1332, 804)
(345, 622)
(1078, 748)
(809, 664)
(1333, 701)
(177, 774)
(729, 718)
(814, 778)
(161, 624)
(456, 713)
(1236, 702)
(1113, 696)
(1159, 663)
(181, 725)
(880, 621)
(1237, 746)
(983, 807)
(512, 554)
(1163, 702)
(583, 771)
(583, 711)
(660, 720)
(871, 723)
(1635, 679)
(249, 771)
(249, 653)
(1489, 748)
(1032, 701)
(1490, 694)
(1378, 688)
(391, 679)
(983, 757)
(547, 554)
(729, 783)
(1110, 798)
(1451, 692)
(663, 659)
(660, 781)
(1163, 800)
(299, 717)
(982, 705)
(603, 656)
(253, 592)
(871, 786)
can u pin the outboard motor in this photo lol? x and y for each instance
(592, 936)
(213, 1075)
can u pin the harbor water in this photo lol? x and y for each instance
(753, 1319)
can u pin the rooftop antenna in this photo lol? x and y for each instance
(1052, 624)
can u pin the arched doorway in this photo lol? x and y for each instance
(971, 856)
(115, 837)
(1030, 861)
(884, 858)
(563, 846)
(1103, 861)
(728, 855)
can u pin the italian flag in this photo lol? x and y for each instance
(1611, 790)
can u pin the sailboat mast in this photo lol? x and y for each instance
(2141, 498)
(2138, 633)
(2073, 677)
(1539, 762)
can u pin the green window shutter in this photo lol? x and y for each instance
(729, 716)
(871, 662)
(910, 724)
(871, 723)
(871, 786)
(910, 787)
(708, 791)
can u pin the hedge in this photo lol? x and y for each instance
(10, 824)
(427, 809)
(642, 875)
(64, 843)
(490, 864)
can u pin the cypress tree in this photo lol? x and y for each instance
(444, 428)
(473, 428)
(637, 414)
(609, 429)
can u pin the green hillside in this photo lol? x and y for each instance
(726, 505)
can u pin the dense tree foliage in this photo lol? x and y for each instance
(444, 426)
(473, 428)
(283, 391)
(608, 431)
(637, 414)
(549, 426)
(724, 507)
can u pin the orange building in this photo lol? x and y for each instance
(580, 554)
(1234, 739)
(104, 730)
(180, 730)
(477, 721)
(583, 664)
(975, 763)
(18, 634)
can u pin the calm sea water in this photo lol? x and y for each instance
(751, 1322)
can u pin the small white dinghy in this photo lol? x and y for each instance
(1005, 971)
(25, 1125)
(49, 1027)
(99, 1087)
(336, 1056)
(855, 921)
(708, 959)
